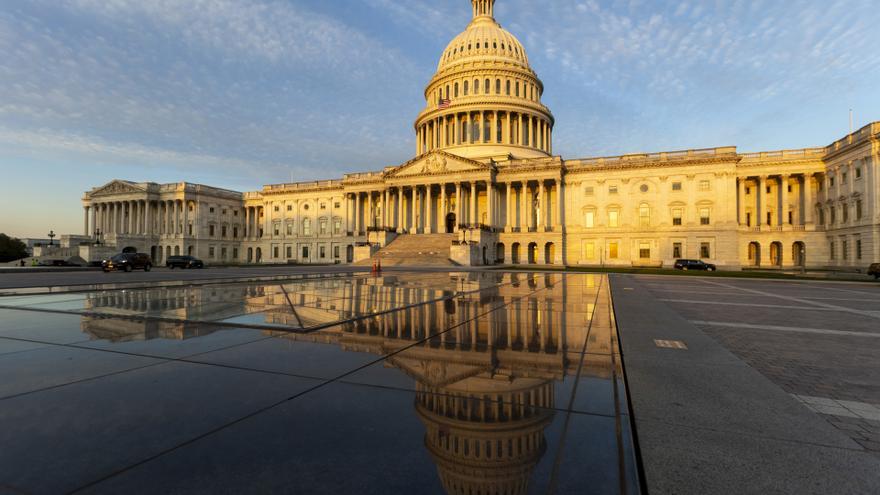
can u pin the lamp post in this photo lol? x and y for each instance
(51, 236)
(97, 237)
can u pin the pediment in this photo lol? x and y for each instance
(438, 163)
(436, 373)
(116, 187)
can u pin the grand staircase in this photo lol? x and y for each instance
(415, 250)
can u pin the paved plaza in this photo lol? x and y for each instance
(304, 380)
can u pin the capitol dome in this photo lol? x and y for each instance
(484, 102)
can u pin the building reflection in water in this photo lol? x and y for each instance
(484, 350)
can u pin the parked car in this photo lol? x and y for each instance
(128, 262)
(694, 265)
(874, 270)
(184, 262)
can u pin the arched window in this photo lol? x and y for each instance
(488, 86)
(497, 86)
(644, 215)
(456, 90)
(447, 92)
(508, 87)
(476, 86)
(464, 132)
(487, 131)
(475, 133)
(517, 88)
(465, 88)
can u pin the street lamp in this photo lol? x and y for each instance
(51, 236)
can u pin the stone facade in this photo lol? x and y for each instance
(485, 171)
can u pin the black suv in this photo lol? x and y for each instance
(874, 270)
(694, 265)
(128, 262)
(184, 262)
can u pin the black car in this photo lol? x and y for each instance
(874, 270)
(184, 262)
(694, 265)
(128, 262)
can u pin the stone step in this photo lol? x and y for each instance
(415, 250)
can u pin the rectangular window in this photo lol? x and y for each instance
(211, 210)
(290, 229)
(337, 205)
(705, 219)
(223, 231)
(336, 252)
(705, 253)
(323, 226)
(210, 231)
(613, 219)
(590, 220)
(831, 182)
(858, 173)
(612, 189)
(589, 251)
(275, 253)
(676, 250)
(223, 253)
(858, 209)
(337, 226)
(644, 250)
(289, 207)
(749, 219)
(305, 252)
(705, 185)
(831, 246)
(289, 252)
(769, 218)
(858, 249)
(790, 217)
(676, 216)
(277, 208)
(676, 186)
(322, 253)
(844, 249)
(833, 216)
(235, 253)
(612, 250)
(845, 210)
(588, 190)
(277, 229)
(211, 252)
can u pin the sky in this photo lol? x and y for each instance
(242, 93)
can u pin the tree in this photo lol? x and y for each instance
(11, 249)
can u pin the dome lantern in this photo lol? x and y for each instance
(483, 8)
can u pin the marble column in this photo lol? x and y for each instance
(560, 204)
(86, 220)
(762, 201)
(400, 210)
(429, 213)
(472, 213)
(357, 214)
(523, 207)
(443, 209)
(490, 204)
(741, 197)
(809, 204)
(784, 208)
(458, 219)
(542, 211)
(507, 212)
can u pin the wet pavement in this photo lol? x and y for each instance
(407, 383)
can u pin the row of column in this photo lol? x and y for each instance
(136, 217)
(519, 205)
(509, 128)
(761, 205)
(253, 228)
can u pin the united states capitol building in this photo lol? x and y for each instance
(485, 187)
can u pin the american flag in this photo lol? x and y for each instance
(444, 103)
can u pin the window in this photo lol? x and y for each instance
(508, 88)
(588, 190)
(589, 250)
(833, 215)
(790, 217)
(768, 189)
(466, 88)
(223, 211)
(517, 88)
(612, 189)
(845, 209)
(704, 216)
(612, 250)
(336, 252)
(277, 208)
(676, 250)
(748, 190)
(475, 132)
(676, 186)
(831, 181)
(322, 252)
(590, 220)
(498, 86)
(210, 231)
(645, 250)
(858, 173)
(235, 253)
(858, 209)
(831, 250)
(644, 188)
(644, 216)
(211, 210)
(337, 226)
(234, 212)
(456, 90)
(844, 250)
(275, 252)
(476, 86)
(705, 185)
(323, 227)
(858, 249)
(676, 216)
(290, 229)
(769, 218)
(289, 207)
(276, 229)
(211, 252)
(613, 218)
(845, 175)
(337, 205)
(323, 206)
(289, 252)
(223, 231)
(305, 252)
(705, 252)
(307, 227)
(223, 253)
